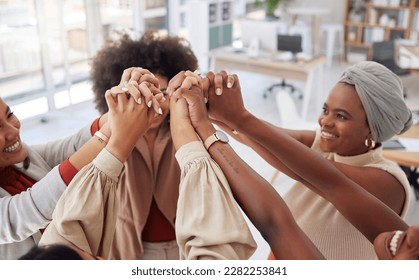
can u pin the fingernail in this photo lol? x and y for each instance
(139, 101)
(163, 99)
(124, 89)
(205, 99)
(149, 103)
(218, 91)
(229, 85)
(160, 111)
(197, 72)
(234, 132)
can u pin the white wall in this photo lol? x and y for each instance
(337, 8)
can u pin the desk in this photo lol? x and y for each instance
(266, 65)
(409, 161)
(408, 57)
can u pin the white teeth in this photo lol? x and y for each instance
(12, 148)
(327, 134)
(394, 241)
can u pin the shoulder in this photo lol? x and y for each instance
(378, 176)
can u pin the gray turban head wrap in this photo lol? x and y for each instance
(381, 94)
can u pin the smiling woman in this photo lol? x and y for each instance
(34, 179)
(375, 221)
(363, 109)
(10, 144)
(31, 181)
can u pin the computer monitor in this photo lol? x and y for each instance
(290, 43)
(266, 33)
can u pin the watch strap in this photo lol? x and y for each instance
(211, 140)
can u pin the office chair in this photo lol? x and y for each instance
(287, 43)
(385, 54)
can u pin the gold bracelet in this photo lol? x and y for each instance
(102, 137)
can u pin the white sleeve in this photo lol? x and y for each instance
(53, 153)
(24, 214)
(209, 223)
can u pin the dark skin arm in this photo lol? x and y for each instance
(251, 196)
(251, 191)
(229, 109)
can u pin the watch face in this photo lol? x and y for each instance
(222, 136)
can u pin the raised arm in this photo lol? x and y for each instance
(227, 107)
(258, 199)
(86, 213)
(209, 224)
(338, 183)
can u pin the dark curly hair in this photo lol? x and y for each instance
(52, 252)
(163, 55)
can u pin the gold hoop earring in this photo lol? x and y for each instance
(370, 143)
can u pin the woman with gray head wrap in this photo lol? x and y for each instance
(364, 108)
(381, 94)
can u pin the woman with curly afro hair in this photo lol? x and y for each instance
(148, 190)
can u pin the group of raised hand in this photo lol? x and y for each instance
(195, 100)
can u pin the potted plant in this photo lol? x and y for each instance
(270, 7)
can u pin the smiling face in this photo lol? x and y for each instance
(343, 122)
(407, 245)
(11, 148)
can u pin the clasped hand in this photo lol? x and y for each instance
(221, 93)
(130, 103)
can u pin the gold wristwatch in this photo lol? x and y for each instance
(218, 135)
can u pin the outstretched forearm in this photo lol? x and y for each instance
(324, 178)
(263, 140)
(262, 204)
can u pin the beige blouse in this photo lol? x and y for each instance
(329, 230)
(85, 215)
(209, 223)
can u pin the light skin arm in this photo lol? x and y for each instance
(123, 109)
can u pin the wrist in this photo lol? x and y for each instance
(244, 120)
(204, 130)
(182, 133)
(105, 130)
(119, 149)
(102, 137)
